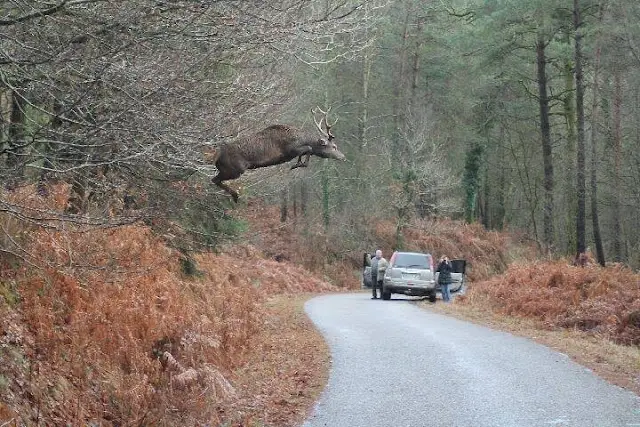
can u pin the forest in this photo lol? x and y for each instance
(459, 120)
(518, 115)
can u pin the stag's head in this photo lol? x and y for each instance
(326, 147)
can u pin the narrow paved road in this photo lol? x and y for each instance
(396, 365)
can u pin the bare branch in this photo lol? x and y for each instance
(45, 12)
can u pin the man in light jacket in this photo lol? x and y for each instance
(378, 268)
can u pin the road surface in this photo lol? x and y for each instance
(397, 365)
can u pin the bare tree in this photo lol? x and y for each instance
(118, 100)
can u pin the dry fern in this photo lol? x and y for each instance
(599, 300)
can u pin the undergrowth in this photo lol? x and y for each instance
(102, 325)
(112, 326)
(601, 301)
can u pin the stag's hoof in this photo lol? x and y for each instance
(299, 165)
(235, 193)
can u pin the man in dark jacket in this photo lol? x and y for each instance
(444, 278)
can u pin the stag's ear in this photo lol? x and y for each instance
(323, 141)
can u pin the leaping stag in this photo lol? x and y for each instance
(273, 145)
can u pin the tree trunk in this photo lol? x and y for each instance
(16, 139)
(415, 67)
(617, 162)
(580, 165)
(597, 238)
(79, 195)
(363, 122)
(47, 149)
(569, 106)
(366, 77)
(545, 133)
(529, 187)
(364, 116)
(499, 210)
(284, 204)
(471, 180)
(398, 95)
(485, 215)
(294, 201)
(304, 195)
(325, 196)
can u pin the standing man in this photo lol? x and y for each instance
(382, 268)
(444, 278)
(378, 268)
(374, 273)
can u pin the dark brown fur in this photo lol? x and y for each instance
(271, 146)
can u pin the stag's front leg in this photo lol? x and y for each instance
(217, 180)
(300, 163)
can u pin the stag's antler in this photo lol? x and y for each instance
(328, 126)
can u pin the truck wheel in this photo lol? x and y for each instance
(386, 295)
(432, 297)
